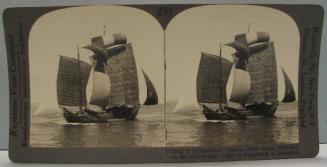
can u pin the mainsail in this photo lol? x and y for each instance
(122, 71)
(263, 71)
(71, 82)
(152, 97)
(211, 82)
(289, 89)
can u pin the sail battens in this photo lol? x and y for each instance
(211, 83)
(263, 71)
(122, 70)
(69, 86)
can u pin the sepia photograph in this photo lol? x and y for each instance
(113, 77)
(163, 83)
(232, 77)
(97, 78)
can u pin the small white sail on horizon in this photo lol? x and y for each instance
(188, 101)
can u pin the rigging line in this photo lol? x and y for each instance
(104, 30)
(79, 80)
(220, 79)
(165, 90)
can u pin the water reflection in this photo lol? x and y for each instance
(199, 132)
(146, 131)
(184, 129)
(112, 134)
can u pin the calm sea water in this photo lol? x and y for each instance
(49, 129)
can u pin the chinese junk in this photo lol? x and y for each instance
(255, 85)
(114, 78)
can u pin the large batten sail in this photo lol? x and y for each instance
(121, 68)
(263, 71)
(211, 82)
(71, 83)
(289, 89)
(152, 96)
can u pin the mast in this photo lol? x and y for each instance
(79, 81)
(104, 30)
(220, 78)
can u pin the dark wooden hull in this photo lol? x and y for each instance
(254, 110)
(262, 109)
(123, 112)
(87, 117)
(222, 114)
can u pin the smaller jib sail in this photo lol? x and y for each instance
(263, 71)
(122, 71)
(152, 97)
(212, 79)
(289, 89)
(71, 82)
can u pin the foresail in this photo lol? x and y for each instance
(211, 82)
(152, 96)
(289, 89)
(241, 87)
(263, 71)
(71, 91)
(122, 71)
(101, 89)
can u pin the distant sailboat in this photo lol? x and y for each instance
(289, 96)
(151, 94)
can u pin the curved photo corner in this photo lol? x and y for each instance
(192, 34)
(193, 39)
(54, 39)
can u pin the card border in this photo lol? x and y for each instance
(17, 35)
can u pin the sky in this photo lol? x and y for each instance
(191, 32)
